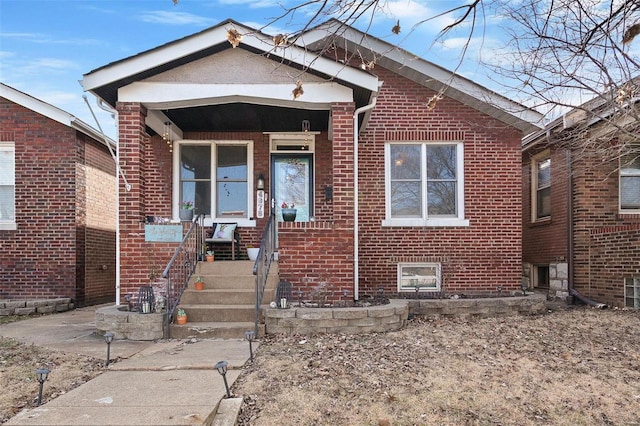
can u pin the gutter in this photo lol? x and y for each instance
(356, 233)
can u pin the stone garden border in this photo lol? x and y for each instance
(35, 306)
(394, 316)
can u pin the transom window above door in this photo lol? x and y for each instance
(217, 177)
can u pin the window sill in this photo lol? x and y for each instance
(8, 226)
(435, 223)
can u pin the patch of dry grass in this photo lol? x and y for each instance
(18, 363)
(571, 367)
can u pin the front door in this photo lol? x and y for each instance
(292, 183)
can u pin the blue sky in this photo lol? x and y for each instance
(47, 45)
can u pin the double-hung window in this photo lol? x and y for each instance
(424, 184)
(630, 181)
(541, 187)
(216, 176)
(7, 186)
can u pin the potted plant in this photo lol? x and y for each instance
(181, 317)
(199, 284)
(252, 251)
(288, 212)
(186, 211)
(209, 256)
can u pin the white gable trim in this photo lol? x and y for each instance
(182, 95)
(197, 42)
(52, 112)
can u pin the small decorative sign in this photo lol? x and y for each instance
(163, 233)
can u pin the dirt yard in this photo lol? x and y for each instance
(569, 367)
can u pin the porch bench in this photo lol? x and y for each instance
(225, 233)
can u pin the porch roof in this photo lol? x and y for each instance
(268, 106)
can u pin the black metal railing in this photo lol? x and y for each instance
(263, 264)
(180, 268)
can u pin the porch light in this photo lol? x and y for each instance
(221, 366)
(306, 125)
(260, 182)
(249, 335)
(41, 375)
(108, 338)
(166, 135)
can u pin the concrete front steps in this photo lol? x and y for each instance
(225, 309)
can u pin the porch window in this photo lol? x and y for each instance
(419, 277)
(630, 180)
(541, 184)
(424, 184)
(216, 176)
(7, 186)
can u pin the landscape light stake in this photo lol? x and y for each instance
(249, 335)
(108, 337)
(221, 366)
(41, 374)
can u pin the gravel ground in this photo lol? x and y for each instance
(576, 366)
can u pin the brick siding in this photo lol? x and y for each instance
(51, 253)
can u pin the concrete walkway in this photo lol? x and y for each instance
(170, 382)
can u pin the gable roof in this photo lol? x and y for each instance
(53, 113)
(422, 72)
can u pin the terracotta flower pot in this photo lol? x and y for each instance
(199, 285)
(209, 258)
(181, 320)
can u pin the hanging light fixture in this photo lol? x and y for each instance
(167, 136)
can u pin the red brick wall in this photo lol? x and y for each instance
(474, 259)
(606, 243)
(45, 256)
(546, 241)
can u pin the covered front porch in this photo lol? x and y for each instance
(240, 134)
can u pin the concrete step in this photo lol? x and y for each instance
(221, 282)
(234, 296)
(214, 330)
(230, 267)
(219, 313)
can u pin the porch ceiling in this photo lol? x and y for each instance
(238, 117)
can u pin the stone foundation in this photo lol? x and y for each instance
(129, 325)
(35, 306)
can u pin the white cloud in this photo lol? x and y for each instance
(251, 3)
(173, 17)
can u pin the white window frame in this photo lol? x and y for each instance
(537, 159)
(635, 149)
(426, 220)
(7, 224)
(421, 289)
(248, 220)
(634, 285)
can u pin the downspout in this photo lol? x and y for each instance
(570, 220)
(356, 234)
(114, 114)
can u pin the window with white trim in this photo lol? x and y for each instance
(217, 177)
(420, 277)
(632, 293)
(541, 187)
(630, 181)
(424, 184)
(7, 185)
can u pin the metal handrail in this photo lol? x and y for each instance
(262, 264)
(180, 267)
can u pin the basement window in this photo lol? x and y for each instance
(423, 276)
(632, 293)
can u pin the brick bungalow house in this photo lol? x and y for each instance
(581, 211)
(57, 204)
(429, 197)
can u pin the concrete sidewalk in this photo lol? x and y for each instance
(150, 383)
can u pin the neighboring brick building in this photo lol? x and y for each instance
(57, 204)
(581, 211)
(436, 201)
